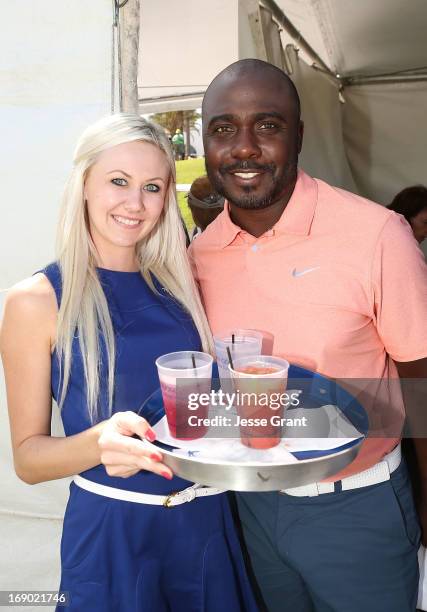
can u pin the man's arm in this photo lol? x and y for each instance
(413, 375)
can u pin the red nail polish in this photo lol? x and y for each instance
(155, 457)
(150, 435)
(166, 475)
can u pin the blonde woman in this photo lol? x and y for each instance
(86, 331)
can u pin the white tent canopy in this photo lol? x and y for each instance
(364, 38)
(178, 54)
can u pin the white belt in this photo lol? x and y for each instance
(169, 501)
(380, 472)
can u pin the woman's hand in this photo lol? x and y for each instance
(124, 455)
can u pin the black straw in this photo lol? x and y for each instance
(229, 358)
(232, 338)
(193, 360)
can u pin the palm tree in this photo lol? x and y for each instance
(184, 120)
(176, 119)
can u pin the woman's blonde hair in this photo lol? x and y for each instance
(84, 309)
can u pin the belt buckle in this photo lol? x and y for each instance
(168, 501)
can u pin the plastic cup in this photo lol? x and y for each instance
(178, 380)
(261, 383)
(247, 342)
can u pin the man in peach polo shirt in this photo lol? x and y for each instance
(342, 286)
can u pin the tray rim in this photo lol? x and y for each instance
(256, 464)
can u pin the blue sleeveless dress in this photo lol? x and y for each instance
(120, 556)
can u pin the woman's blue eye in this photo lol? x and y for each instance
(121, 182)
(152, 187)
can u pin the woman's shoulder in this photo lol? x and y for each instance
(29, 316)
(32, 299)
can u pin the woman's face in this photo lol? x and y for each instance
(125, 192)
(419, 225)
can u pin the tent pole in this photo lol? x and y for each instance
(129, 23)
(378, 79)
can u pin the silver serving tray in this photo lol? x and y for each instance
(266, 476)
(256, 476)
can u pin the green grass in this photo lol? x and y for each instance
(186, 171)
(189, 169)
(185, 211)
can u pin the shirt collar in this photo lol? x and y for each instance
(299, 212)
(296, 218)
(227, 229)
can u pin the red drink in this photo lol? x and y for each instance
(178, 413)
(257, 380)
(184, 376)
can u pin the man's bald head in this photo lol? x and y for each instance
(252, 135)
(257, 72)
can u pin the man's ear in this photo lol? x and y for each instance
(300, 135)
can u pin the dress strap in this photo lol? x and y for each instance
(53, 275)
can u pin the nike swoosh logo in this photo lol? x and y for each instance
(297, 274)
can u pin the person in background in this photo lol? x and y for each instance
(411, 202)
(178, 144)
(204, 203)
(86, 331)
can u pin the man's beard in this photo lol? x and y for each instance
(249, 201)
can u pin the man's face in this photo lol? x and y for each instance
(252, 138)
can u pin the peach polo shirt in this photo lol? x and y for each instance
(339, 282)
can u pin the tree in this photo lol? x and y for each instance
(176, 119)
